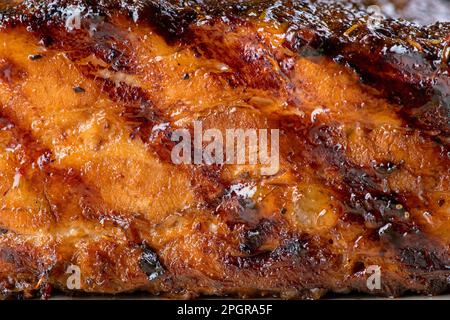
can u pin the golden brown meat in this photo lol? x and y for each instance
(86, 116)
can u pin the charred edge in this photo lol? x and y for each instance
(139, 112)
(397, 77)
(36, 13)
(312, 25)
(296, 252)
(150, 264)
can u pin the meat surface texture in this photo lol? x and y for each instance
(92, 91)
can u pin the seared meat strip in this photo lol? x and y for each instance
(91, 93)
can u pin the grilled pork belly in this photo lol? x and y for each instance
(91, 93)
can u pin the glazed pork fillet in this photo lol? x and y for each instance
(92, 92)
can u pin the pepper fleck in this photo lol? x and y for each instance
(79, 90)
(186, 76)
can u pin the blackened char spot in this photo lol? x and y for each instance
(3, 231)
(34, 57)
(422, 259)
(253, 239)
(172, 20)
(296, 252)
(150, 264)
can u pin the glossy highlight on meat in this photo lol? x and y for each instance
(91, 91)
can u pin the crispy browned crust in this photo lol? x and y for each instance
(86, 177)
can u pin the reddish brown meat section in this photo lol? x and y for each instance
(92, 91)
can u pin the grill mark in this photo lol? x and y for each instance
(140, 112)
(35, 13)
(425, 98)
(172, 12)
(252, 64)
(410, 80)
(358, 183)
(34, 152)
(141, 116)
